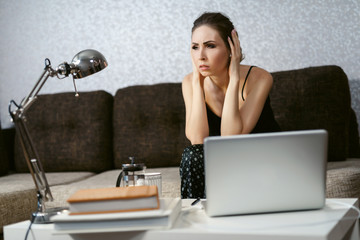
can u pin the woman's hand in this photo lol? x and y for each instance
(236, 55)
(196, 127)
(197, 76)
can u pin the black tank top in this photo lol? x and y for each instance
(266, 122)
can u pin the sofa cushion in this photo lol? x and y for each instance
(343, 179)
(23, 181)
(70, 133)
(17, 206)
(149, 124)
(314, 98)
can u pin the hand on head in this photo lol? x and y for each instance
(236, 53)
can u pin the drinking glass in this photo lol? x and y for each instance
(154, 179)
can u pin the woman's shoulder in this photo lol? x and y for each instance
(187, 80)
(187, 77)
(186, 84)
(258, 74)
(262, 73)
(259, 79)
(255, 70)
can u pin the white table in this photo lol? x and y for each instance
(338, 220)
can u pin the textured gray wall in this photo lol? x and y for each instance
(148, 41)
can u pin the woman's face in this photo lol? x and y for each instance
(208, 51)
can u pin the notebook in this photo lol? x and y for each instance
(266, 172)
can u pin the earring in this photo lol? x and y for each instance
(230, 55)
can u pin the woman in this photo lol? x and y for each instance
(222, 97)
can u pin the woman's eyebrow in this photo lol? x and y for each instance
(207, 42)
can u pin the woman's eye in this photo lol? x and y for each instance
(211, 46)
(194, 47)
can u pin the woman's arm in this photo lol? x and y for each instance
(196, 127)
(242, 119)
(231, 121)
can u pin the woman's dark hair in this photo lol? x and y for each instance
(217, 21)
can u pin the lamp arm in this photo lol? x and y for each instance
(19, 118)
(32, 159)
(48, 71)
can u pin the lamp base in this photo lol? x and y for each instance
(44, 217)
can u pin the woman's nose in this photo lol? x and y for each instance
(202, 54)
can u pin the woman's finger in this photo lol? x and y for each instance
(231, 44)
(232, 48)
(235, 40)
(236, 44)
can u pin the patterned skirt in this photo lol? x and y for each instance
(192, 172)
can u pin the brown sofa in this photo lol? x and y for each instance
(83, 141)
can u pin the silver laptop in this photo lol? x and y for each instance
(267, 172)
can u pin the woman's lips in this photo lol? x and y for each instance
(204, 67)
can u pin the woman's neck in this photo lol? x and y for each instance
(221, 81)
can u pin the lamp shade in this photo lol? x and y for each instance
(87, 62)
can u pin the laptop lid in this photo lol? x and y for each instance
(266, 172)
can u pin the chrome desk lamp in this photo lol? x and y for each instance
(84, 63)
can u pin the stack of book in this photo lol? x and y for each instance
(117, 209)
